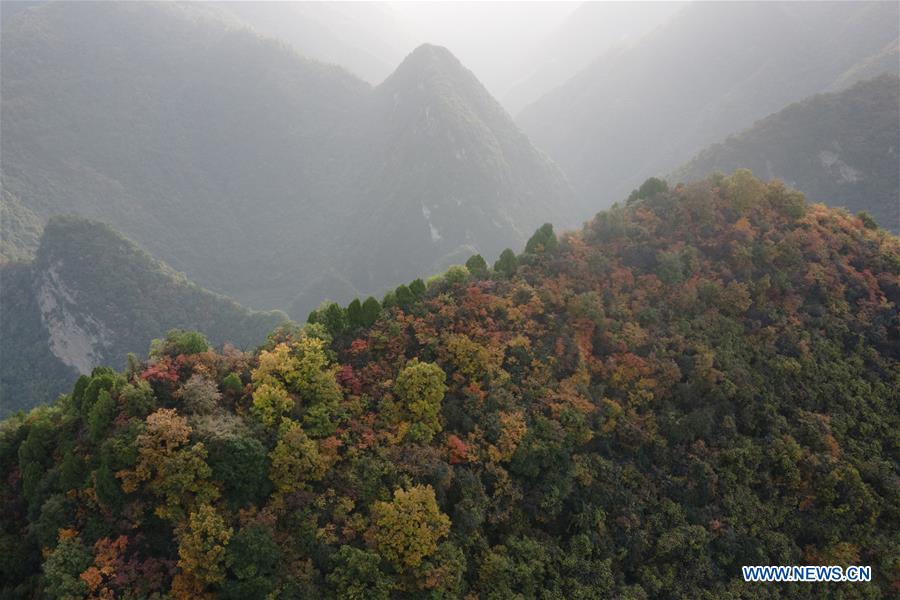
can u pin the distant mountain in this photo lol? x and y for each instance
(454, 176)
(89, 297)
(714, 68)
(841, 148)
(366, 38)
(592, 29)
(259, 173)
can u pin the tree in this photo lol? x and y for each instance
(868, 221)
(355, 314)
(370, 311)
(407, 530)
(358, 576)
(202, 544)
(334, 318)
(743, 189)
(651, 187)
(314, 378)
(417, 287)
(295, 460)
(507, 263)
(200, 395)
(456, 274)
(543, 240)
(101, 416)
(179, 341)
(170, 469)
(404, 297)
(270, 403)
(240, 464)
(63, 567)
(477, 266)
(420, 388)
(252, 557)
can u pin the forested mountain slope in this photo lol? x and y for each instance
(90, 297)
(842, 149)
(713, 69)
(702, 379)
(254, 170)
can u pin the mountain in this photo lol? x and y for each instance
(249, 168)
(90, 297)
(591, 30)
(701, 379)
(366, 38)
(491, 181)
(650, 107)
(842, 148)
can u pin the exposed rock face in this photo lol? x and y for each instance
(76, 338)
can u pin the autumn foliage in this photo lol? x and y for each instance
(702, 378)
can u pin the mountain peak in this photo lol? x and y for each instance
(429, 62)
(426, 54)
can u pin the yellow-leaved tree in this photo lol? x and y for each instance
(406, 530)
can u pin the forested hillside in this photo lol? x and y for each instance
(842, 149)
(703, 378)
(251, 169)
(89, 298)
(711, 71)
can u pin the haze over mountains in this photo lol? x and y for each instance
(841, 148)
(710, 71)
(589, 32)
(367, 38)
(223, 153)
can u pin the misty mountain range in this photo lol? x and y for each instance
(220, 139)
(713, 69)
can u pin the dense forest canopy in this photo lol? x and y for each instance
(701, 378)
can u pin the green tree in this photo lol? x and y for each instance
(404, 297)
(252, 557)
(477, 265)
(63, 567)
(370, 311)
(543, 240)
(456, 274)
(358, 576)
(417, 287)
(355, 314)
(179, 341)
(507, 263)
(240, 465)
(651, 187)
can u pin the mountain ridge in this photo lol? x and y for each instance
(840, 147)
(91, 296)
(611, 125)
